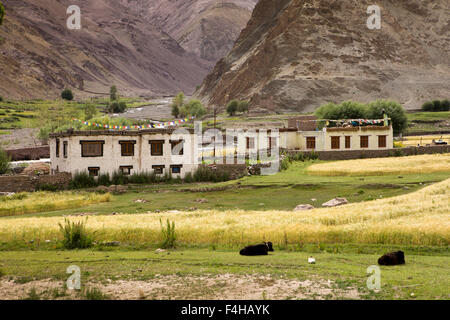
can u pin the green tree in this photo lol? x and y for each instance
(243, 106)
(90, 111)
(67, 94)
(393, 109)
(175, 110)
(232, 107)
(2, 13)
(113, 93)
(4, 161)
(445, 105)
(195, 108)
(345, 110)
(428, 106)
(177, 104)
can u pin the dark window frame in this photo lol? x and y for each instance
(335, 142)
(129, 168)
(159, 166)
(252, 144)
(348, 142)
(382, 138)
(58, 145)
(311, 141)
(174, 143)
(125, 144)
(65, 149)
(176, 166)
(364, 139)
(94, 169)
(83, 142)
(154, 143)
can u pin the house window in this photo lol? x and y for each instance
(382, 142)
(272, 142)
(310, 142)
(65, 145)
(57, 148)
(177, 147)
(127, 148)
(250, 143)
(175, 168)
(156, 147)
(159, 169)
(335, 142)
(364, 141)
(125, 170)
(348, 143)
(92, 148)
(93, 171)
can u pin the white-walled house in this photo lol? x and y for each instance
(155, 150)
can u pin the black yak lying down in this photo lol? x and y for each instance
(392, 259)
(257, 250)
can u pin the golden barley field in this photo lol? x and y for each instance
(424, 140)
(23, 203)
(419, 218)
(427, 163)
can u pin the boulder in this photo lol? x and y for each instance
(38, 168)
(302, 207)
(335, 202)
(117, 189)
(102, 189)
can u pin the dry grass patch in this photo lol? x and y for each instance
(419, 218)
(427, 163)
(23, 203)
(424, 140)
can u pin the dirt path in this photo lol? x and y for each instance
(224, 286)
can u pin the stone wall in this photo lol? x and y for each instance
(24, 183)
(36, 153)
(361, 154)
(235, 171)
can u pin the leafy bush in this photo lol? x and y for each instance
(118, 178)
(232, 107)
(175, 111)
(243, 106)
(82, 180)
(67, 94)
(75, 235)
(5, 160)
(168, 234)
(394, 110)
(188, 178)
(104, 179)
(90, 111)
(436, 106)
(299, 156)
(193, 108)
(117, 107)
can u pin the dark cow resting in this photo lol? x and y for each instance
(257, 250)
(392, 259)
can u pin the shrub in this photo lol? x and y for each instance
(67, 94)
(445, 105)
(82, 180)
(232, 107)
(188, 178)
(113, 93)
(104, 179)
(117, 107)
(175, 111)
(195, 108)
(5, 160)
(47, 187)
(1, 98)
(95, 294)
(428, 106)
(243, 106)
(75, 235)
(90, 111)
(168, 234)
(118, 178)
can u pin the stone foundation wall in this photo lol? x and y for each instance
(235, 171)
(24, 183)
(362, 154)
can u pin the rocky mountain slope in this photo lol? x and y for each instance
(298, 54)
(119, 43)
(208, 28)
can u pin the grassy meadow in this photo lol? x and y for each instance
(22, 203)
(383, 166)
(419, 218)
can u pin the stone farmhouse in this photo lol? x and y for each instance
(177, 152)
